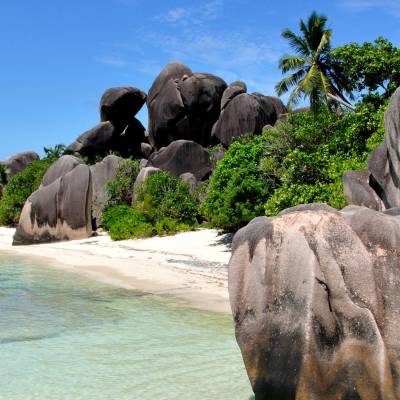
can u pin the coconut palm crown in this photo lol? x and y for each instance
(314, 73)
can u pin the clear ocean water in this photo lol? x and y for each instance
(66, 337)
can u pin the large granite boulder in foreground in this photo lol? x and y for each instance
(58, 211)
(315, 296)
(183, 156)
(19, 162)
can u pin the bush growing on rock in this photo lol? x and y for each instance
(121, 189)
(19, 188)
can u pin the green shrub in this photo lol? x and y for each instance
(164, 206)
(126, 222)
(120, 190)
(237, 189)
(19, 188)
(307, 156)
(164, 196)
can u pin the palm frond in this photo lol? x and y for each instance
(289, 81)
(298, 44)
(325, 42)
(290, 63)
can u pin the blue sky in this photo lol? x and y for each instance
(59, 56)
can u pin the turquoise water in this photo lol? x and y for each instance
(66, 337)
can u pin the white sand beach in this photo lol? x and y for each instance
(191, 266)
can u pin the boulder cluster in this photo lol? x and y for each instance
(315, 292)
(187, 113)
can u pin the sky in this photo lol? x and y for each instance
(58, 57)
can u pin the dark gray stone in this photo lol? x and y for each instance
(183, 156)
(358, 191)
(234, 89)
(120, 105)
(146, 149)
(94, 141)
(183, 105)
(191, 180)
(102, 173)
(18, 162)
(244, 114)
(58, 211)
(165, 103)
(59, 168)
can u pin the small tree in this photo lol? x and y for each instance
(370, 67)
(314, 73)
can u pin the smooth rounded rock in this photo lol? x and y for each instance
(120, 105)
(59, 211)
(183, 156)
(59, 168)
(18, 162)
(102, 173)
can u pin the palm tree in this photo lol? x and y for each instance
(314, 73)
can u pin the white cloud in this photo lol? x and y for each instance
(390, 6)
(115, 62)
(176, 14)
(193, 15)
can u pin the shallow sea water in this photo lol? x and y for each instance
(63, 336)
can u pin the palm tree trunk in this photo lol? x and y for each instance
(341, 101)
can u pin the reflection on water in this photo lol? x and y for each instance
(65, 337)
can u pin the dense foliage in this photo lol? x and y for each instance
(371, 67)
(238, 188)
(19, 188)
(164, 205)
(121, 189)
(307, 156)
(299, 161)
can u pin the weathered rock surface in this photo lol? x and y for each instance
(191, 180)
(233, 90)
(183, 105)
(93, 141)
(102, 173)
(183, 156)
(144, 173)
(19, 162)
(120, 105)
(315, 299)
(58, 211)
(244, 114)
(105, 137)
(59, 168)
(129, 142)
(358, 190)
(201, 94)
(165, 104)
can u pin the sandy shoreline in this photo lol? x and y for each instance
(191, 266)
